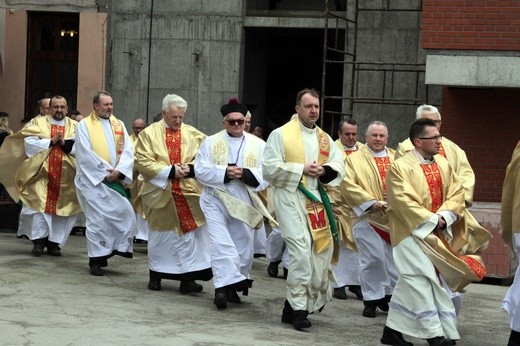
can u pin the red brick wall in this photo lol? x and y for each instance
(486, 124)
(471, 24)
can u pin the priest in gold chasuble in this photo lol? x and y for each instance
(510, 221)
(178, 241)
(428, 233)
(347, 267)
(478, 236)
(42, 155)
(364, 191)
(299, 159)
(105, 159)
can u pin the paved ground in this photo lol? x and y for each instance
(54, 301)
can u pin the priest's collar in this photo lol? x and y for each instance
(382, 153)
(235, 137)
(354, 147)
(58, 122)
(421, 158)
(307, 129)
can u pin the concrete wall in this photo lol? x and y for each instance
(195, 52)
(91, 61)
(391, 37)
(183, 30)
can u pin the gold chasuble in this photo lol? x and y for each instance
(478, 237)
(415, 192)
(510, 213)
(45, 181)
(317, 218)
(175, 207)
(366, 180)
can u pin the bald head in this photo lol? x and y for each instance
(138, 126)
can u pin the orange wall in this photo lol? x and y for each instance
(12, 80)
(91, 63)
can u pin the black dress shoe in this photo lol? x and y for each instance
(37, 249)
(299, 319)
(53, 249)
(370, 308)
(383, 303)
(287, 313)
(95, 270)
(393, 337)
(154, 285)
(190, 286)
(356, 289)
(232, 296)
(272, 269)
(339, 293)
(220, 298)
(514, 338)
(439, 341)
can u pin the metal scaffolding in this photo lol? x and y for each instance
(340, 48)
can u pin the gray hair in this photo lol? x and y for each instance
(175, 100)
(426, 108)
(376, 122)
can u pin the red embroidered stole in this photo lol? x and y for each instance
(442, 151)
(348, 152)
(383, 163)
(434, 180)
(54, 175)
(173, 144)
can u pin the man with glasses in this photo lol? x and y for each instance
(478, 236)
(428, 232)
(45, 180)
(44, 107)
(229, 167)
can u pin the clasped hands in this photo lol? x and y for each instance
(181, 170)
(441, 224)
(113, 175)
(58, 139)
(234, 172)
(313, 170)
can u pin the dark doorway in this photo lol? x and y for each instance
(279, 62)
(52, 58)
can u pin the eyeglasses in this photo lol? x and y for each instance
(235, 122)
(435, 138)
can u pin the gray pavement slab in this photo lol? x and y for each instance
(55, 301)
